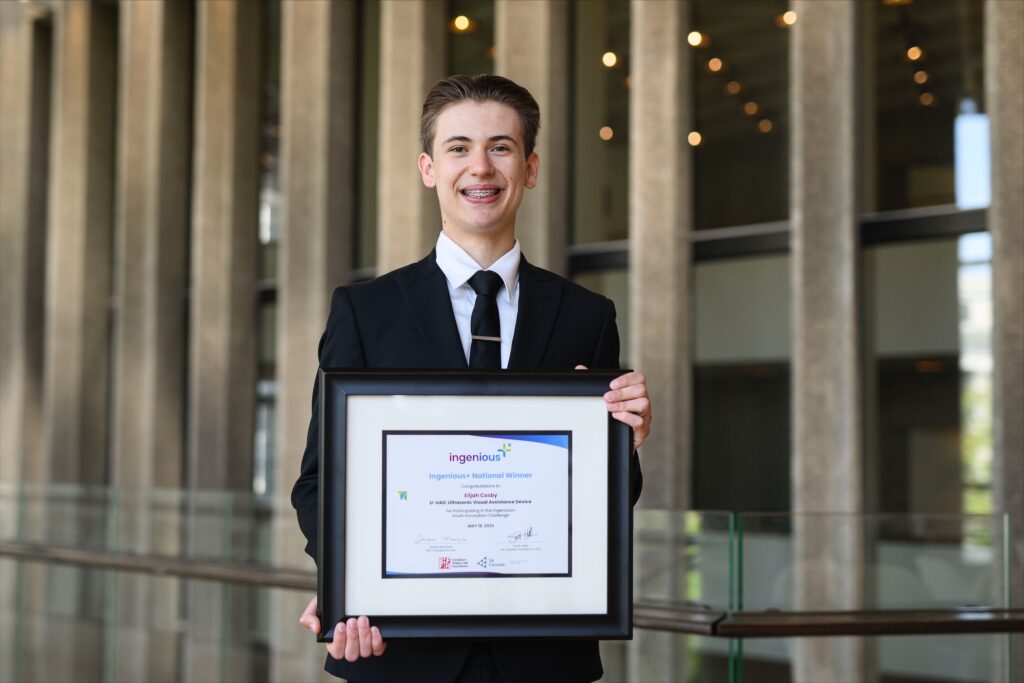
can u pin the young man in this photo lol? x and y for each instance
(472, 302)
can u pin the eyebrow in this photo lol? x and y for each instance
(493, 138)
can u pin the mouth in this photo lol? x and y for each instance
(481, 195)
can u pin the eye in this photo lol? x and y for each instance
(458, 149)
(501, 148)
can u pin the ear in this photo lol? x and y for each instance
(532, 170)
(426, 165)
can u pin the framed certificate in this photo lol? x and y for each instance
(474, 504)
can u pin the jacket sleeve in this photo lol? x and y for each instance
(340, 347)
(606, 355)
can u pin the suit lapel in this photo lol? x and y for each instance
(426, 293)
(540, 294)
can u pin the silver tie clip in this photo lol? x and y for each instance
(494, 339)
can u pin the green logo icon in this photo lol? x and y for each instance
(403, 494)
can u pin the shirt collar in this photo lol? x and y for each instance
(458, 266)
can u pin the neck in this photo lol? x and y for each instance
(485, 249)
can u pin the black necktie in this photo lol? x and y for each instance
(485, 326)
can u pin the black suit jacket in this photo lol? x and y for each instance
(404, 319)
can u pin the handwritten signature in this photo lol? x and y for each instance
(443, 539)
(526, 533)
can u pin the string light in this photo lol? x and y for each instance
(733, 87)
(751, 108)
(462, 24)
(606, 133)
(926, 99)
(765, 125)
(914, 53)
(715, 64)
(695, 38)
(609, 59)
(694, 138)
(921, 77)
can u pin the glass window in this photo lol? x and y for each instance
(614, 284)
(367, 145)
(600, 121)
(929, 307)
(471, 48)
(925, 127)
(741, 113)
(741, 377)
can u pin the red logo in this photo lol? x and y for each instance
(444, 563)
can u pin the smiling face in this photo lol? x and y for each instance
(479, 169)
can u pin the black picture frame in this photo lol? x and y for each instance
(337, 387)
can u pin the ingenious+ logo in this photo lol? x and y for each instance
(463, 458)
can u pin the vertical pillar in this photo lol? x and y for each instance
(222, 320)
(25, 75)
(538, 59)
(78, 276)
(660, 222)
(225, 191)
(80, 217)
(412, 44)
(827, 458)
(1004, 68)
(25, 67)
(150, 279)
(318, 143)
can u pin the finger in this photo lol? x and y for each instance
(336, 648)
(635, 377)
(638, 406)
(580, 367)
(377, 641)
(309, 618)
(351, 640)
(632, 419)
(365, 648)
(626, 393)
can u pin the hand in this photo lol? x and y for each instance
(628, 402)
(352, 639)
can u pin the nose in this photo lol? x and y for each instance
(480, 163)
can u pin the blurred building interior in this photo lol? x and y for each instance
(810, 217)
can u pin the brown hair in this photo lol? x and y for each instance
(480, 88)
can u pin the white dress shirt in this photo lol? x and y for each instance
(458, 267)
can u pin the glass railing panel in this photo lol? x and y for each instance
(66, 623)
(887, 659)
(827, 562)
(683, 558)
(660, 657)
(208, 525)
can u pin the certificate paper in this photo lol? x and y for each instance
(482, 504)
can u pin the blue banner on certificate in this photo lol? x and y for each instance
(486, 504)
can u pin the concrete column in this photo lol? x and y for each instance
(222, 321)
(25, 78)
(318, 143)
(538, 59)
(80, 218)
(413, 36)
(150, 280)
(225, 192)
(77, 338)
(26, 40)
(151, 262)
(826, 392)
(660, 221)
(1004, 69)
